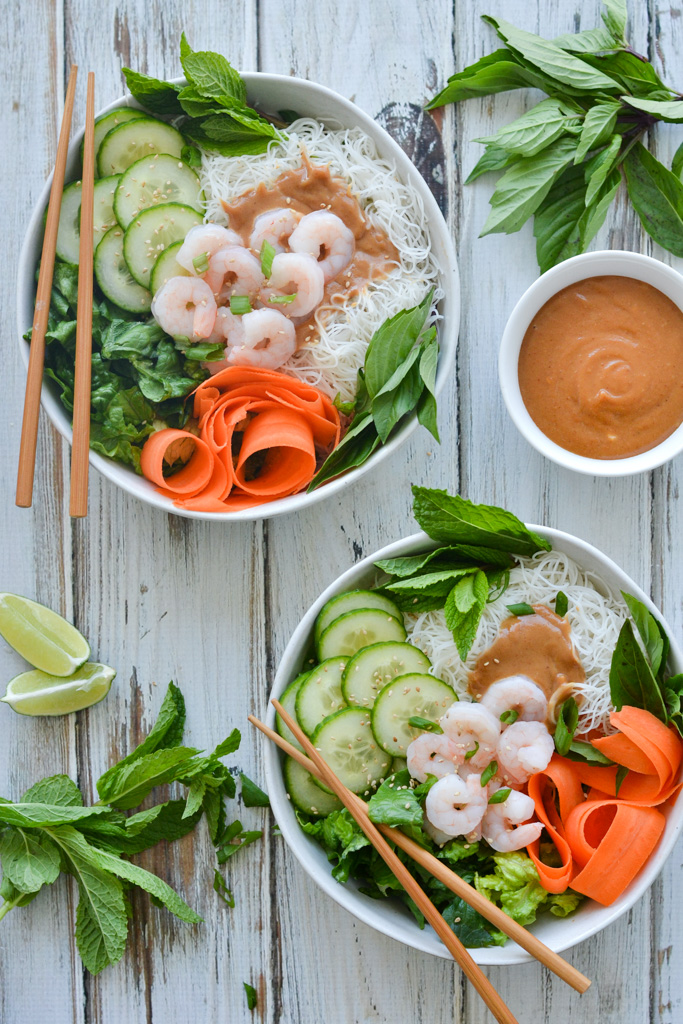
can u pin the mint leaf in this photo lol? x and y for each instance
(464, 625)
(451, 519)
(195, 797)
(631, 679)
(167, 731)
(234, 839)
(525, 184)
(229, 745)
(211, 74)
(56, 789)
(657, 196)
(126, 785)
(552, 60)
(153, 94)
(536, 129)
(29, 860)
(252, 796)
(220, 887)
(36, 815)
(250, 993)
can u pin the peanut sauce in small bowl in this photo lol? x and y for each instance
(591, 363)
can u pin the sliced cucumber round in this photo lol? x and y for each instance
(151, 232)
(346, 741)
(288, 701)
(412, 695)
(113, 119)
(320, 694)
(349, 602)
(357, 629)
(304, 793)
(128, 142)
(375, 666)
(113, 275)
(68, 232)
(103, 206)
(154, 180)
(166, 266)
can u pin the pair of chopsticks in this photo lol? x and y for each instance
(81, 416)
(357, 807)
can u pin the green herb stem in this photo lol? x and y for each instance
(9, 905)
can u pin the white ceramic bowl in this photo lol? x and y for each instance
(266, 92)
(618, 263)
(391, 918)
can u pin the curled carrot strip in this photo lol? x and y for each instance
(261, 433)
(611, 840)
(559, 780)
(192, 478)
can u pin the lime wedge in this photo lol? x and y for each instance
(41, 636)
(37, 693)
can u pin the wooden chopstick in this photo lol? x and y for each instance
(454, 946)
(34, 379)
(553, 961)
(80, 448)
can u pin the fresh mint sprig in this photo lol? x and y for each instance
(211, 107)
(563, 159)
(50, 830)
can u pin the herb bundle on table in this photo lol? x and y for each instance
(562, 160)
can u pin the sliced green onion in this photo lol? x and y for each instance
(282, 300)
(267, 257)
(561, 604)
(240, 304)
(500, 796)
(201, 263)
(509, 716)
(488, 773)
(520, 609)
(471, 753)
(424, 723)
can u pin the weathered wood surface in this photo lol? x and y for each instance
(212, 607)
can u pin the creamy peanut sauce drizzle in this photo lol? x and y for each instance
(306, 189)
(538, 646)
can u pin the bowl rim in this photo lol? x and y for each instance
(624, 263)
(401, 927)
(123, 476)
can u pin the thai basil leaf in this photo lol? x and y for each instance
(498, 72)
(597, 128)
(494, 158)
(535, 129)
(650, 631)
(657, 196)
(663, 110)
(523, 187)
(567, 721)
(631, 679)
(392, 342)
(454, 520)
(677, 162)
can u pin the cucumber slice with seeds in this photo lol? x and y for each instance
(349, 602)
(166, 266)
(288, 701)
(154, 180)
(113, 275)
(151, 232)
(413, 694)
(113, 119)
(320, 694)
(346, 741)
(103, 206)
(364, 626)
(375, 666)
(305, 794)
(128, 142)
(68, 232)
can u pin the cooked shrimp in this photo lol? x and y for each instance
(516, 693)
(455, 805)
(431, 755)
(234, 270)
(498, 825)
(523, 749)
(185, 308)
(439, 837)
(274, 226)
(295, 273)
(326, 237)
(228, 328)
(268, 340)
(474, 730)
(204, 238)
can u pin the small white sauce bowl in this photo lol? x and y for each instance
(269, 93)
(389, 916)
(616, 263)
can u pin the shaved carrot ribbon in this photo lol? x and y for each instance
(604, 839)
(287, 424)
